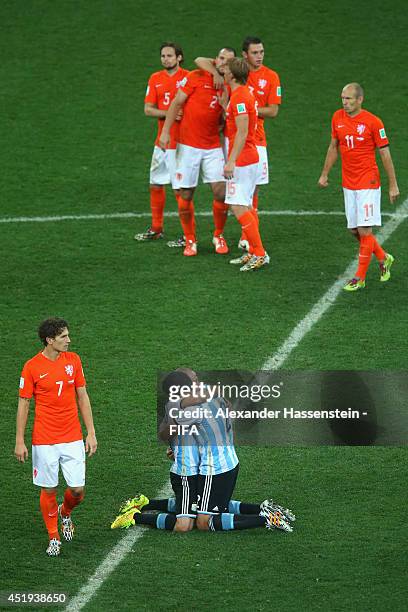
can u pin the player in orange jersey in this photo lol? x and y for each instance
(265, 85)
(56, 379)
(199, 148)
(161, 89)
(242, 164)
(358, 134)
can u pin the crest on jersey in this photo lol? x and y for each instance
(181, 83)
(262, 83)
(360, 128)
(69, 370)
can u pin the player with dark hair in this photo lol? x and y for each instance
(265, 86)
(56, 380)
(215, 478)
(161, 89)
(357, 135)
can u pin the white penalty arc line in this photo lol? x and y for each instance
(124, 546)
(111, 561)
(274, 362)
(205, 213)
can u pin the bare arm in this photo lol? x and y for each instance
(269, 112)
(242, 122)
(207, 64)
(86, 413)
(20, 450)
(151, 110)
(171, 116)
(331, 158)
(386, 159)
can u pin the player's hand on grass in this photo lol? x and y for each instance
(323, 181)
(394, 193)
(91, 444)
(164, 140)
(21, 452)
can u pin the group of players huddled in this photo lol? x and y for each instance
(211, 120)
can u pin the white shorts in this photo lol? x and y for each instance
(363, 207)
(47, 458)
(163, 166)
(240, 189)
(263, 168)
(189, 161)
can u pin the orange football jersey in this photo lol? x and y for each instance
(265, 85)
(359, 138)
(53, 385)
(242, 102)
(161, 89)
(200, 124)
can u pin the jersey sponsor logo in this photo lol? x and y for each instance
(159, 85)
(43, 375)
(207, 86)
(241, 108)
(21, 382)
(279, 91)
(35, 472)
(181, 83)
(69, 369)
(71, 382)
(382, 133)
(360, 128)
(359, 138)
(340, 126)
(260, 93)
(215, 509)
(179, 176)
(262, 83)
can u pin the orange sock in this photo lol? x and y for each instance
(187, 219)
(250, 226)
(70, 501)
(49, 510)
(220, 214)
(378, 250)
(157, 203)
(364, 256)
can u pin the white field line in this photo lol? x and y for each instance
(124, 546)
(145, 215)
(111, 561)
(274, 362)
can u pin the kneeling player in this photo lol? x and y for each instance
(216, 474)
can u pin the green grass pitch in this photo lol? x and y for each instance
(75, 141)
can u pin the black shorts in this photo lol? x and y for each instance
(215, 491)
(185, 490)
